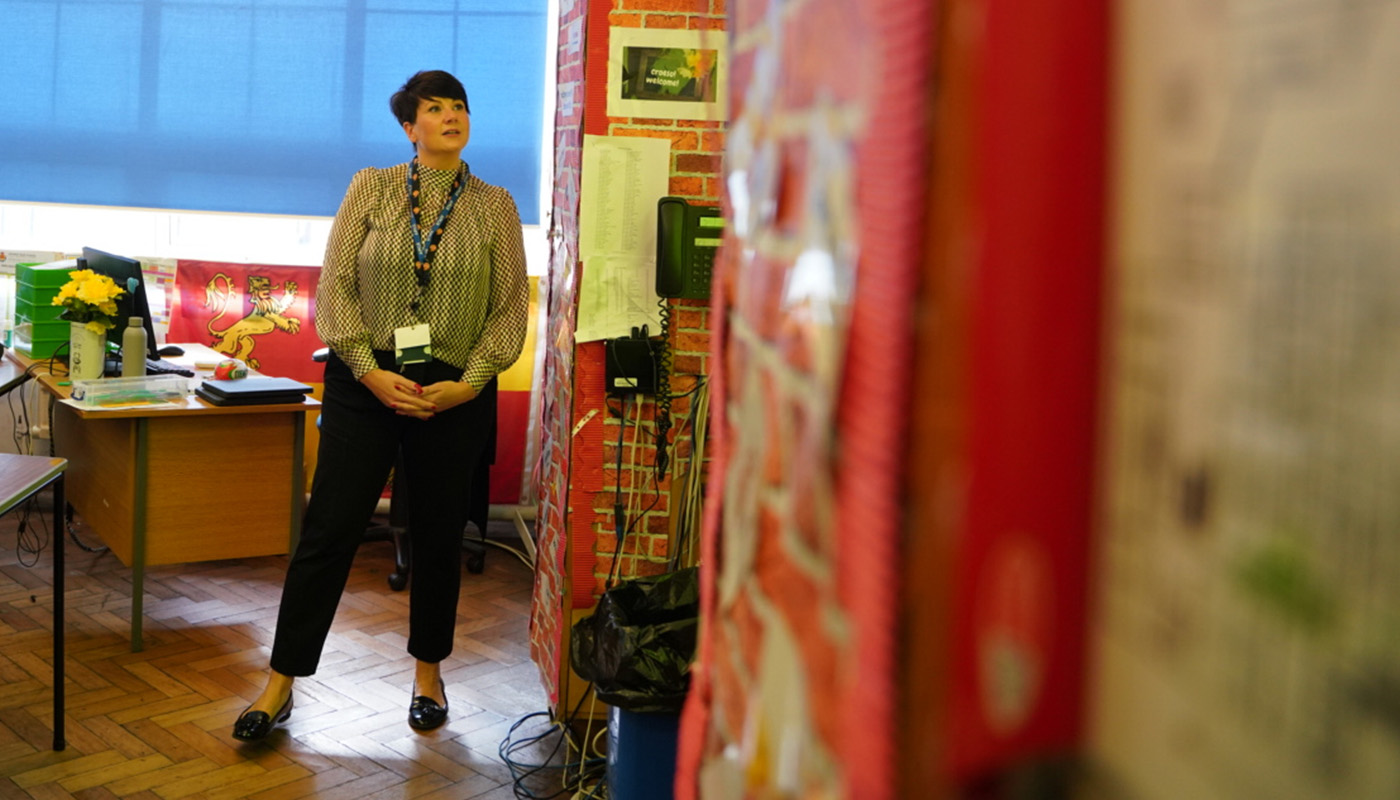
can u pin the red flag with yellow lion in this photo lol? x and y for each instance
(261, 314)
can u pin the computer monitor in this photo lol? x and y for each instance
(126, 273)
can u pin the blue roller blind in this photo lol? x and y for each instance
(264, 106)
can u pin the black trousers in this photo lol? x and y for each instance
(360, 439)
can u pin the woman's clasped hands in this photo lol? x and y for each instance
(409, 399)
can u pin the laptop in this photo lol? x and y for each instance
(258, 390)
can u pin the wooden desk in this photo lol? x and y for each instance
(191, 482)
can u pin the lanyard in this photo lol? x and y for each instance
(425, 250)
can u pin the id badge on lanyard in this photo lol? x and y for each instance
(412, 345)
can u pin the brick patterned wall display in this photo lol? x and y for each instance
(547, 609)
(648, 529)
(812, 325)
(579, 537)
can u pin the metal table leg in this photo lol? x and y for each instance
(59, 545)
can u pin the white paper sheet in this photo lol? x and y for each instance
(617, 295)
(623, 177)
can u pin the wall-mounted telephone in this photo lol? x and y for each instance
(686, 239)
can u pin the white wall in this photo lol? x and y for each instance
(150, 234)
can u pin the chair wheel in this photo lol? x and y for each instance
(476, 562)
(397, 581)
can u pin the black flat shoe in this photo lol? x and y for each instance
(254, 726)
(424, 713)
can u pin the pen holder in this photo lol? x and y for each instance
(147, 390)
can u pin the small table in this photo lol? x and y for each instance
(21, 477)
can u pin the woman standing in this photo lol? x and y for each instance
(422, 300)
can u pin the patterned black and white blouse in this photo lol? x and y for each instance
(477, 301)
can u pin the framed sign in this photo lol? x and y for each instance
(668, 74)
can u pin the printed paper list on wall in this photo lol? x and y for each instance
(623, 177)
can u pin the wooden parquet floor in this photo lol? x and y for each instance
(156, 724)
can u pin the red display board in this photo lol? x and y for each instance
(1019, 259)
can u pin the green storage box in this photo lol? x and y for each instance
(45, 276)
(41, 339)
(35, 296)
(45, 312)
(38, 331)
(45, 326)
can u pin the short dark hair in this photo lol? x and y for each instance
(425, 84)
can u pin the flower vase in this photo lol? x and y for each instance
(87, 352)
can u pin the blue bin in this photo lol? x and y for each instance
(642, 754)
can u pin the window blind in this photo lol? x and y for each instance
(265, 106)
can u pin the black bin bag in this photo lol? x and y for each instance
(637, 646)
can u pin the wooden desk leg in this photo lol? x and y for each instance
(60, 538)
(138, 537)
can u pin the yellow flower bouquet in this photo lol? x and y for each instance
(90, 298)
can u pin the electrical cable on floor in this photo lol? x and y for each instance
(84, 546)
(509, 747)
(598, 751)
(581, 747)
(589, 741)
(602, 782)
(520, 554)
(600, 786)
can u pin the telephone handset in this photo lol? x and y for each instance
(686, 239)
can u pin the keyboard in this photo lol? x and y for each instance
(159, 366)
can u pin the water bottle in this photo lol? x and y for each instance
(134, 349)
